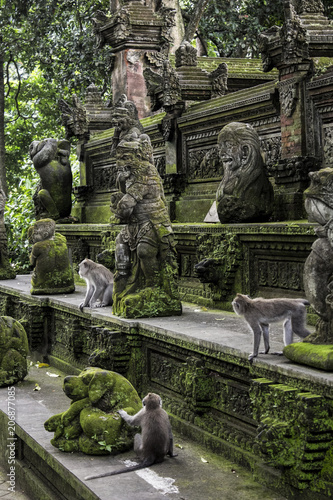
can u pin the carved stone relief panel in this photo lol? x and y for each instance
(288, 96)
(187, 263)
(105, 178)
(204, 164)
(328, 146)
(271, 147)
(280, 274)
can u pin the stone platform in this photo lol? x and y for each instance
(47, 473)
(198, 363)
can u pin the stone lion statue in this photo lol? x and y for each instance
(92, 423)
(245, 193)
(53, 197)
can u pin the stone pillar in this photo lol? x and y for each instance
(137, 31)
(287, 49)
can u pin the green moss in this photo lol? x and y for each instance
(92, 423)
(318, 356)
(53, 273)
(13, 351)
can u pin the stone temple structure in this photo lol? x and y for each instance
(273, 416)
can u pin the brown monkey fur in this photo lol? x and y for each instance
(258, 313)
(99, 281)
(155, 440)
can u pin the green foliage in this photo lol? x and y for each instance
(19, 215)
(233, 26)
(48, 48)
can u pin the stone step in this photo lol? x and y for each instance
(46, 473)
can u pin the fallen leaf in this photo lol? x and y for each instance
(204, 460)
(37, 387)
(52, 374)
(42, 365)
(179, 446)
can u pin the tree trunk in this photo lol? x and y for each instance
(195, 18)
(3, 182)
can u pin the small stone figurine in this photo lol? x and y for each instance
(52, 272)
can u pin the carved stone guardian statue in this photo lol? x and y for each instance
(145, 249)
(53, 197)
(245, 193)
(318, 275)
(52, 272)
(125, 121)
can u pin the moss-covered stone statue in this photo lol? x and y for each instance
(6, 270)
(145, 279)
(245, 193)
(53, 197)
(14, 350)
(92, 423)
(125, 121)
(49, 256)
(317, 349)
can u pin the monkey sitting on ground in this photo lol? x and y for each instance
(155, 440)
(258, 313)
(99, 284)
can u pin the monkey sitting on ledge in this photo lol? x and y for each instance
(258, 313)
(155, 440)
(99, 281)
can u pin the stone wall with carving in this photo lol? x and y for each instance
(275, 421)
(257, 259)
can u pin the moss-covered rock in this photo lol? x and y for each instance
(14, 349)
(52, 272)
(319, 356)
(92, 423)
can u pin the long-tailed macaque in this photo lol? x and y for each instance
(99, 281)
(258, 313)
(155, 440)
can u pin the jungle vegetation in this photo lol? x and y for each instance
(47, 52)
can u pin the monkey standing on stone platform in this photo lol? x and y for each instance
(155, 440)
(99, 281)
(258, 313)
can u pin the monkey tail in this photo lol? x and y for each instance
(146, 463)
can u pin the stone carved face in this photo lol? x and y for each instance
(42, 230)
(239, 148)
(245, 192)
(231, 154)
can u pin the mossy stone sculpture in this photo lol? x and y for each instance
(52, 270)
(53, 197)
(245, 193)
(14, 349)
(146, 270)
(92, 423)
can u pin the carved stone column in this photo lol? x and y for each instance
(287, 49)
(133, 31)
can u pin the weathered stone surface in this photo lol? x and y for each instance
(145, 249)
(318, 267)
(53, 195)
(14, 350)
(92, 424)
(49, 256)
(245, 193)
